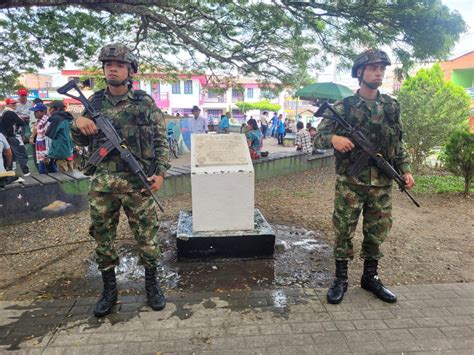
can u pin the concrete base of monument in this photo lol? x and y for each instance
(256, 243)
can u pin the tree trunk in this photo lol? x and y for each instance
(467, 185)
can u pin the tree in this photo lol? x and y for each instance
(244, 106)
(276, 39)
(458, 155)
(431, 108)
(263, 105)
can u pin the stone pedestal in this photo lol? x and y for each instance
(222, 183)
(223, 222)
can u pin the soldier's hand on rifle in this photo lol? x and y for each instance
(342, 144)
(156, 182)
(86, 126)
(409, 180)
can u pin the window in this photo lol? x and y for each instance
(212, 94)
(188, 87)
(250, 93)
(237, 93)
(176, 88)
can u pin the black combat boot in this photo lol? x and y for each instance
(109, 295)
(155, 298)
(339, 285)
(370, 281)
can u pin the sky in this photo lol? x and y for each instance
(466, 9)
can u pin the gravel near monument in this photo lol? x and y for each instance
(432, 244)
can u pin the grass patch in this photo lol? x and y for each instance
(439, 184)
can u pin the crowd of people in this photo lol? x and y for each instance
(45, 126)
(257, 130)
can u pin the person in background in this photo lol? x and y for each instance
(308, 125)
(281, 129)
(254, 139)
(23, 110)
(8, 123)
(274, 124)
(224, 124)
(42, 143)
(197, 124)
(59, 132)
(264, 124)
(6, 159)
(303, 139)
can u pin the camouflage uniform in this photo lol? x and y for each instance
(141, 124)
(370, 191)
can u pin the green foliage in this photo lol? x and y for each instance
(244, 106)
(431, 108)
(458, 155)
(278, 39)
(430, 184)
(263, 105)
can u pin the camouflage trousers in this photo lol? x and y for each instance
(142, 218)
(375, 203)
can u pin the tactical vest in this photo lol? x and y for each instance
(136, 130)
(386, 134)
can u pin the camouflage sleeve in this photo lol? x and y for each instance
(160, 141)
(327, 128)
(402, 158)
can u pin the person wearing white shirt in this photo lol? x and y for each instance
(197, 124)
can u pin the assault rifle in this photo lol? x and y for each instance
(113, 140)
(370, 151)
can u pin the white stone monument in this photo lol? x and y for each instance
(223, 221)
(222, 183)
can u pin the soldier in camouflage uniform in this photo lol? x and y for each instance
(370, 192)
(141, 124)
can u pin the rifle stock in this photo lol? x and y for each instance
(114, 140)
(368, 147)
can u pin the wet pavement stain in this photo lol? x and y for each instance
(301, 259)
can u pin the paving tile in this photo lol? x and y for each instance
(431, 322)
(459, 320)
(156, 347)
(369, 324)
(434, 344)
(435, 311)
(360, 335)
(353, 315)
(379, 314)
(401, 323)
(394, 334)
(307, 327)
(462, 343)
(402, 346)
(366, 346)
(275, 329)
(457, 332)
(262, 341)
(426, 333)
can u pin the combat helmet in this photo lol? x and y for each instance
(369, 57)
(120, 53)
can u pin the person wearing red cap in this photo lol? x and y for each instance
(23, 110)
(8, 121)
